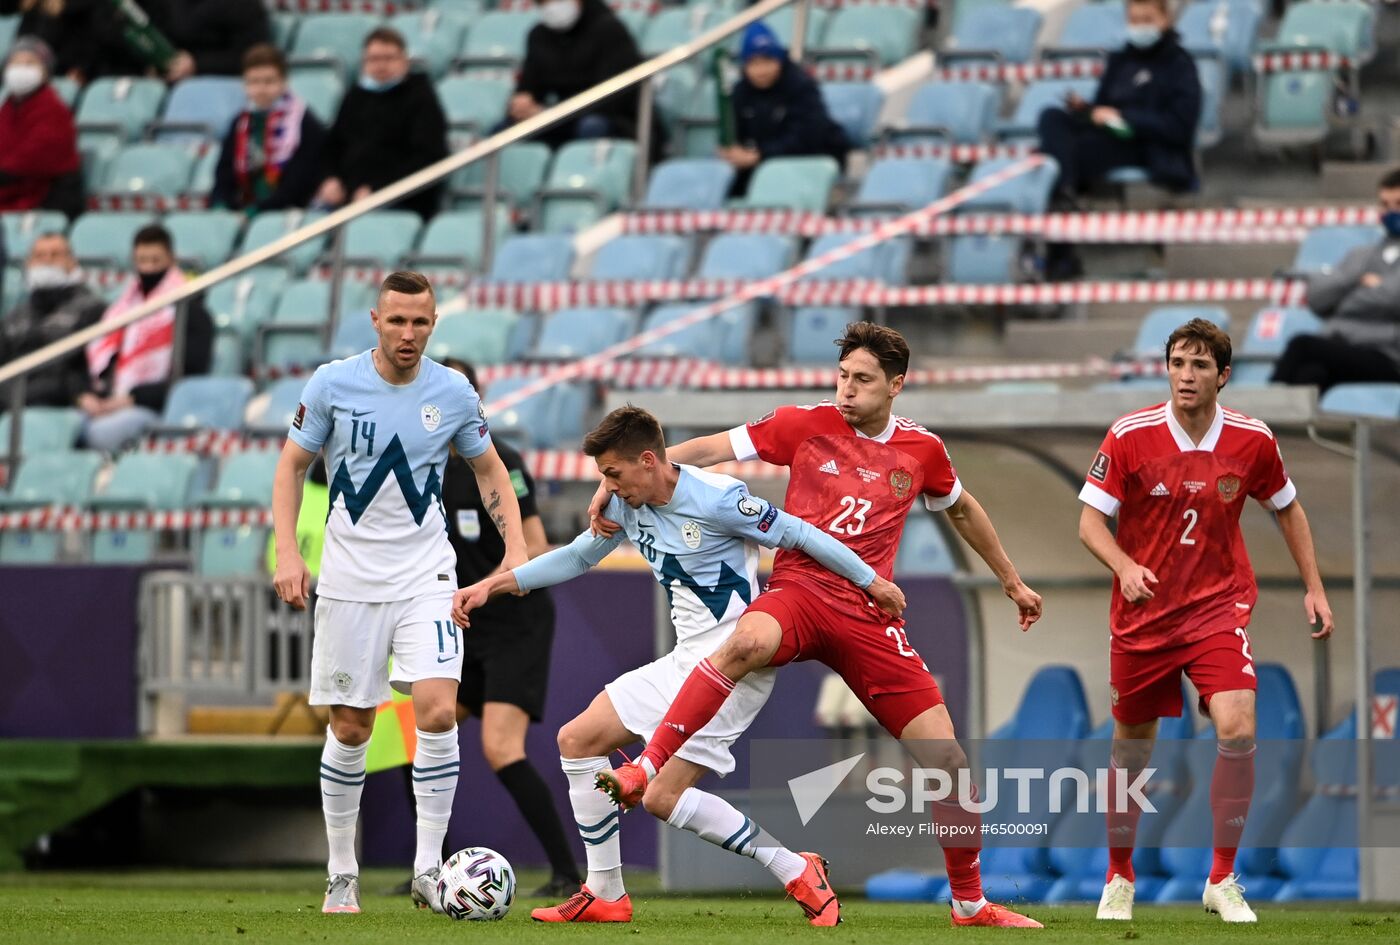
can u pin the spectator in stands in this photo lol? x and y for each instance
(1361, 301)
(129, 370)
(38, 140)
(271, 157)
(57, 304)
(211, 36)
(389, 126)
(778, 109)
(85, 36)
(576, 45)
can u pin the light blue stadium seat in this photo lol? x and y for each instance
(794, 183)
(673, 26)
(746, 256)
(204, 238)
(353, 336)
(480, 336)
(529, 424)
(642, 257)
(206, 403)
(1374, 401)
(272, 225)
(284, 29)
(275, 407)
(104, 239)
(202, 178)
(433, 38)
(1228, 28)
(1214, 84)
(239, 305)
(1311, 870)
(523, 167)
(1157, 327)
(879, 35)
(782, 23)
(1003, 33)
(321, 89)
(9, 27)
(1324, 247)
(22, 227)
(980, 259)
(474, 102)
(160, 170)
(66, 88)
(200, 110)
(57, 478)
(96, 151)
(43, 430)
(146, 481)
(1269, 333)
(382, 237)
(497, 39)
(334, 39)
(245, 481)
(924, 549)
(886, 262)
(902, 184)
(959, 112)
(119, 108)
(1294, 107)
(452, 242)
(813, 331)
(691, 107)
(1092, 28)
(723, 338)
(1052, 707)
(855, 106)
(1038, 96)
(533, 258)
(589, 178)
(566, 428)
(689, 184)
(229, 355)
(294, 336)
(579, 332)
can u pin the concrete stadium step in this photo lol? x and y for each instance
(1227, 261)
(1069, 340)
(1350, 180)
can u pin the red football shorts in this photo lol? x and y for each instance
(1147, 686)
(869, 650)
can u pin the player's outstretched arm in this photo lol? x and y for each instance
(498, 494)
(553, 567)
(831, 554)
(975, 527)
(699, 451)
(1297, 534)
(291, 579)
(1133, 578)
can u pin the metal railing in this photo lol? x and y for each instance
(489, 149)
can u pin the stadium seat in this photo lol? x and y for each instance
(1052, 707)
(1373, 401)
(204, 238)
(693, 111)
(642, 257)
(579, 332)
(206, 403)
(43, 430)
(794, 183)
(334, 39)
(245, 481)
(352, 336)
(529, 423)
(877, 35)
(812, 331)
(588, 179)
(229, 356)
(1094, 28)
(202, 178)
(886, 262)
(274, 408)
(688, 184)
(433, 38)
(103, 240)
(200, 109)
(782, 22)
(746, 256)
(57, 478)
(673, 26)
(924, 549)
(1157, 327)
(723, 338)
(452, 242)
(566, 427)
(1000, 33)
(322, 91)
(1214, 84)
(284, 29)
(481, 336)
(533, 258)
(901, 184)
(295, 335)
(1269, 333)
(1038, 96)
(144, 481)
(160, 170)
(855, 106)
(1310, 869)
(272, 225)
(1226, 28)
(21, 228)
(239, 305)
(9, 28)
(474, 102)
(959, 112)
(995, 259)
(380, 238)
(1324, 247)
(497, 39)
(522, 169)
(118, 108)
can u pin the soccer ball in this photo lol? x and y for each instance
(476, 883)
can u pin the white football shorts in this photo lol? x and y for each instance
(354, 641)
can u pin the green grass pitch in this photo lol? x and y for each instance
(246, 907)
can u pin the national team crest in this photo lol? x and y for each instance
(690, 534)
(900, 483)
(1228, 487)
(432, 417)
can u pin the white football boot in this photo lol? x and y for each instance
(1227, 899)
(1117, 900)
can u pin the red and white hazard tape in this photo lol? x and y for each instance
(1021, 71)
(381, 7)
(155, 203)
(957, 153)
(1302, 61)
(843, 71)
(69, 519)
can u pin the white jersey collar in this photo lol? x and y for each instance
(883, 436)
(1183, 440)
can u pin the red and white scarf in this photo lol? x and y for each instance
(281, 137)
(144, 349)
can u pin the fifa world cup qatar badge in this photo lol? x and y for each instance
(900, 483)
(432, 417)
(1228, 487)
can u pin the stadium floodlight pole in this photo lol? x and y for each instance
(399, 189)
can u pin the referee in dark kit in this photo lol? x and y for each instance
(505, 665)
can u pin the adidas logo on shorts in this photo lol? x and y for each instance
(1159, 489)
(829, 467)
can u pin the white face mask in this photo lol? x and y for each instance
(21, 78)
(560, 15)
(51, 277)
(1144, 36)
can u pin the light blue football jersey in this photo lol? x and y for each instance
(386, 448)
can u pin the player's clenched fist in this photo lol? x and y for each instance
(887, 596)
(1133, 581)
(466, 600)
(292, 580)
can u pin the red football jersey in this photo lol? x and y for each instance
(1178, 506)
(856, 487)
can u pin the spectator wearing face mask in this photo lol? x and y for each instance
(56, 304)
(38, 140)
(576, 45)
(390, 125)
(271, 156)
(129, 370)
(778, 109)
(1360, 299)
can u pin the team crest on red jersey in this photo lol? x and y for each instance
(1228, 487)
(900, 483)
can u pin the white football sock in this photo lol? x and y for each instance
(342, 783)
(966, 909)
(598, 825)
(716, 820)
(436, 768)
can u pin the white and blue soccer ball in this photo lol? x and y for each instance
(476, 883)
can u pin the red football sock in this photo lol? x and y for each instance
(959, 833)
(699, 700)
(1122, 825)
(1231, 787)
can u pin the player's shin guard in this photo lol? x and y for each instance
(1230, 790)
(436, 768)
(598, 825)
(1122, 823)
(699, 700)
(342, 782)
(959, 833)
(715, 819)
